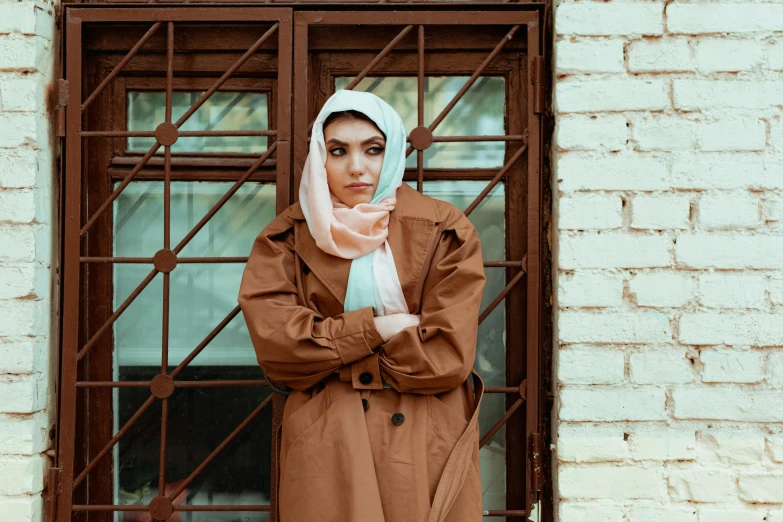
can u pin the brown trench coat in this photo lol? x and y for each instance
(372, 431)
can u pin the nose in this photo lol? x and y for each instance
(356, 166)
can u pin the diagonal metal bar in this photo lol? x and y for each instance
(203, 344)
(110, 321)
(501, 422)
(240, 61)
(502, 172)
(109, 445)
(457, 97)
(114, 72)
(380, 56)
(185, 483)
(501, 296)
(182, 244)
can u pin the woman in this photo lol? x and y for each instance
(363, 298)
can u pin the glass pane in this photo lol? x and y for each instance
(202, 294)
(199, 420)
(222, 111)
(480, 112)
(489, 218)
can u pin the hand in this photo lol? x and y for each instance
(390, 325)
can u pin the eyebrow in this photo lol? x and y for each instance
(365, 142)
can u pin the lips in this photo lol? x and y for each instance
(357, 185)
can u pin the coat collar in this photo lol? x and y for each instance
(412, 228)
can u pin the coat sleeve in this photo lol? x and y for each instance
(438, 354)
(296, 346)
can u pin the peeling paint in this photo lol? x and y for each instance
(535, 513)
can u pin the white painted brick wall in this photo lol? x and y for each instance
(669, 322)
(27, 195)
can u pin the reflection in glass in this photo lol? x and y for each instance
(489, 218)
(201, 296)
(222, 111)
(480, 112)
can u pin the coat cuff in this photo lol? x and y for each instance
(363, 339)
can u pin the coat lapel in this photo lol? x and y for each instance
(412, 239)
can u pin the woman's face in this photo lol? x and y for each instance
(354, 156)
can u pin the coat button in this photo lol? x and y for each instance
(398, 418)
(365, 404)
(305, 269)
(365, 378)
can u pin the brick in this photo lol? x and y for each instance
(25, 52)
(595, 18)
(588, 443)
(660, 212)
(724, 94)
(662, 443)
(775, 367)
(24, 355)
(718, 55)
(702, 485)
(607, 481)
(761, 487)
(718, 171)
(18, 168)
(723, 290)
(17, 205)
(665, 365)
(590, 289)
(17, 129)
(743, 445)
(661, 289)
(22, 509)
(728, 211)
(16, 243)
(722, 251)
(590, 212)
(776, 128)
(611, 95)
(774, 51)
(670, 55)
(614, 251)
(31, 18)
(772, 210)
(628, 171)
(22, 394)
(664, 133)
(776, 289)
(17, 281)
(23, 435)
(733, 134)
(21, 475)
(776, 447)
(732, 515)
(589, 132)
(723, 18)
(656, 514)
(589, 56)
(24, 317)
(610, 403)
(575, 512)
(22, 93)
(728, 402)
(591, 366)
(741, 329)
(624, 327)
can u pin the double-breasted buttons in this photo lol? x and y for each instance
(365, 378)
(397, 419)
(305, 269)
(365, 404)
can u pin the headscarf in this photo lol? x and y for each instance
(358, 233)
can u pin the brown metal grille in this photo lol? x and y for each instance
(289, 31)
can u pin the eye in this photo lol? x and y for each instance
(337, 151)
(376, 149)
